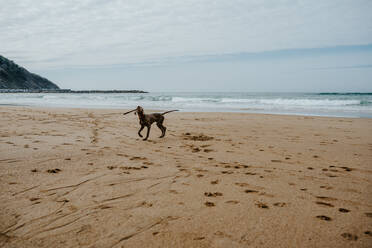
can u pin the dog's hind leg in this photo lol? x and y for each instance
(148, 132)
(139, 132)
(162, 128)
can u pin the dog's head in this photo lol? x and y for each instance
(139, 110)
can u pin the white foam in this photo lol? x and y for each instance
(200, 102)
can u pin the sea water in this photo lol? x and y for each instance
(317, 104)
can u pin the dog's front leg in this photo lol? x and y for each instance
(139, 132)
(148, 132)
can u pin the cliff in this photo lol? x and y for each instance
(13, 76)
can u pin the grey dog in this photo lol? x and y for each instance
(147, 120)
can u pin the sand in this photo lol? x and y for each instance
(83, 178)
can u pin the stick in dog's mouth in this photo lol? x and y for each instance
(130, 111)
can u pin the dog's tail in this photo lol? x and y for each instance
(169, 111)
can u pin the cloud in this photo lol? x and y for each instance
(56, 34)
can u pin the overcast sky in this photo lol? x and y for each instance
(170, 45)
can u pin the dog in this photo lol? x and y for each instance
(147, 120)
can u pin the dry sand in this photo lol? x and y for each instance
(83, 178)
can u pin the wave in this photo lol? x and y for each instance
(278, 101)
(195, 99)
(354, 103)
(218, 100)
(345, 94)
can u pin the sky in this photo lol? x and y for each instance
(193, 45)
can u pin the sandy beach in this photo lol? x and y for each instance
(83, 178)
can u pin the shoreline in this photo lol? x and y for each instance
(307, 104)
(240, 111)
(64, 91)
(82, 177)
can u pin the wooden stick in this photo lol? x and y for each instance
(129, 111)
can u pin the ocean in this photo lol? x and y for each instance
(314, 104)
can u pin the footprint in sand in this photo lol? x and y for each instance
(344, 210)
(262, 205)
(148, 163)
(138, 158)
(215, 182)
(56, 170)
(251, 173)
(199, 238)
(346, 168)
(210, 194)
(242, 184)
(250, 191)
(132, 167)
(349, 236)
(209, 204)
(279, 204)
(368, 215)
(324, 204)
(196, 149)
(326, 187)
(369, 233)
(326, 198)
(232, 202)
(323, 217)
(330, 175)
(104, 207)
(122, 155)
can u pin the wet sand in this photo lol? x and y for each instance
(83, 178)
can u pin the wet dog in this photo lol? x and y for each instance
(146, 120)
